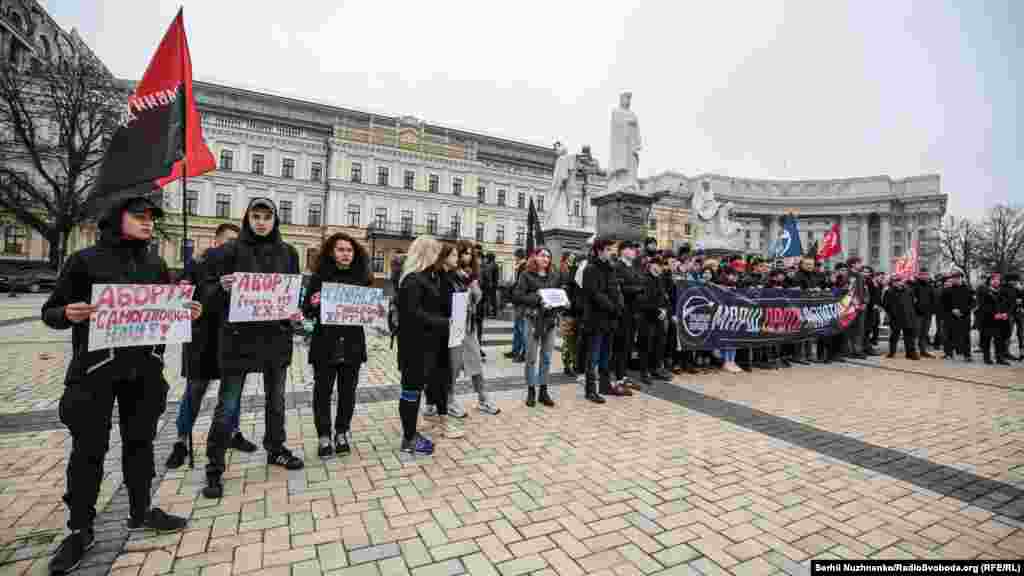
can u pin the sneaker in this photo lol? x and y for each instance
(581, 378)
(430, 411)
(488, 407)
(240, 443)
(285, 459)
(324, 449)
(178, 455)
(158, 520)
(455, 410)
(71, 551)
(214, 488)
(453, 430)
(341, 443)
(419, 444)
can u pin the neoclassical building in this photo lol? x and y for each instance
(879, 217)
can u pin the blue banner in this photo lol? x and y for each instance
(713, 317)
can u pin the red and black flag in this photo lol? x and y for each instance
(160, 132)
(534, 235)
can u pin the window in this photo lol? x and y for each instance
(227, 159)
(746, 234)
(432, 223)
(875, 252)
(481, 194)
(520, 236)
(576, 208)
(897, 221)
(14, 240)
(435, 183)
(316, 171)
(521, 199)
(479, 231)
(288, 168)
(410, 180)
(382, 176)
(357, 172)
(314, 214)
(499, 233)
(223, 206)
(192, 202)
(457, 186)
(407, 222)
(501, 197)
(897, 251)
(353, 215)
(456, 229)
(380, 217)
(378, 262)
(286, 211)
(257, 164)
(539, 202)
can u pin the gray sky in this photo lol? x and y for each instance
(760, 89)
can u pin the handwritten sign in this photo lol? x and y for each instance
(259, 297)
(553, 297)
(457, 324)
(347, 305)
(139, 315)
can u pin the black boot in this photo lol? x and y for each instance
(214, 488)
(544, 398)
(531, 397)
(591, 390)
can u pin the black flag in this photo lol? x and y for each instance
(534, 235)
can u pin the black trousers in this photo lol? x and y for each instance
(909, 339)
(651, 340)
(924, 325)
(998, 331)
(957, 337)
(86, 408)
(582, 347)
(491, 303)
(324, 378)
(229, 398)
(622, 347)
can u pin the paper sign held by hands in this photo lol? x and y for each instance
(257, 297)
(347, 305)
(457, 325)
(140, 315)
(554, 297)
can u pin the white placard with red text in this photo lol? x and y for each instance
(140, 315)
(259, 297)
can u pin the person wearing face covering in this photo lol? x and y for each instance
(132, 375)
(247, 347)
(336, 352)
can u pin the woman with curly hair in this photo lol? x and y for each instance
(336, 352)
(468, 357)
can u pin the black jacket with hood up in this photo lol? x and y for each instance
(249, 346)
(112, 260)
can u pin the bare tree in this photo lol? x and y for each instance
(960, 243)
(55, 122)
(1002, 246)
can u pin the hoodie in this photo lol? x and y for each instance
(112, 260)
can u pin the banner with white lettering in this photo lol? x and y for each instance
(348, 305)
(457, 324)
(257, 297)
(139, 315)
(711, 317)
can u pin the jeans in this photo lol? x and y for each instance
(599, 352)
(518, 339)
(538, 345)
(347, 377)
(228, 402)
(728, 356)
(192, 402)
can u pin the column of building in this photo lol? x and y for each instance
(864, 243)
(884, 242)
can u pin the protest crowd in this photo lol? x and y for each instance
(616, 308)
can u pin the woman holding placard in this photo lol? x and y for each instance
(541, 318)
(471, 359)
(336, 352)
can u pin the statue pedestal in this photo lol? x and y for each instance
(562, 240)
(625, 215)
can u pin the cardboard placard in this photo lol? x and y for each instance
(257, 297)
(554, 297)
(457, 324)
(348, 305)
(140, 315)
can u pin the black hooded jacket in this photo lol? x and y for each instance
(336, 344)
(112, 260)
(249, 346)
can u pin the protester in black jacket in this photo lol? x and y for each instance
(653, 305)
(632, 284)
(132, 375)
(248, 347)
(994, 309)
(924, 308)
(899, 306)
(957, 303)
(200, 358)
(602, 307)
(540, 323)
(336, 352)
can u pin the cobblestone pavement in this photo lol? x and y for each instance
(711, 474)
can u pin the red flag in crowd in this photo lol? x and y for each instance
(830, 244)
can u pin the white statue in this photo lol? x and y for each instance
(565, 165)
(624, 159)
(715, 218)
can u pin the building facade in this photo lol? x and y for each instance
(879, 218)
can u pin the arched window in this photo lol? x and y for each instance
(44, 47)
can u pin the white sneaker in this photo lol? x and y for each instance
(430, 411)
(455, 410)
(581, 378)
(488, 407)
(453, 430)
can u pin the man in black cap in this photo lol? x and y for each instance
(957, 303)
(631, 282)
(132, 375)
(924, 308)
(251, 347)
